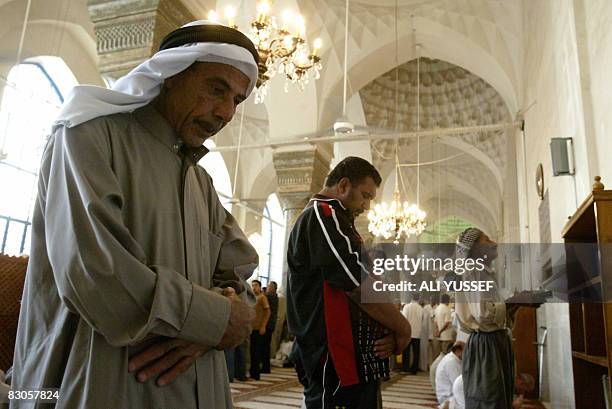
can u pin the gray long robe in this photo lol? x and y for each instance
(128, 239)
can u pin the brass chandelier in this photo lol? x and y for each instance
(398, 219)
(282, 48)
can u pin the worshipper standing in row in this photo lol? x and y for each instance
(130, 244)
(236, 363)
(432, 327)
(235, 357)
(260, 324)
(425, 351)
(488, 361)
(273, 302)
(413, 312)
(447, 371)
(394, 365)
(340, 341)
(443, 330)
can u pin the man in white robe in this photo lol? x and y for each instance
(413, 312)
(447, 371)
(426, 335)
(123, 305)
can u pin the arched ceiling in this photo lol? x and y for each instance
(474, 164)
(472, 58)
(482, 36)
(449, 97)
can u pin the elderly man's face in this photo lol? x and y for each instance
(201, 100)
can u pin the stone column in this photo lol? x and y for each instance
(300, 174)
(130, 31)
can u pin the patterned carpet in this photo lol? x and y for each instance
(277, 390)
(280, 389)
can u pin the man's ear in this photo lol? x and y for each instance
(344, 185)
(169, 82)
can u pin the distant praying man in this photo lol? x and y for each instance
(341, 343)
(258, 335)
(488, 360)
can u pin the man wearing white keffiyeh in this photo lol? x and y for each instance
(488, 361)
(132, 252)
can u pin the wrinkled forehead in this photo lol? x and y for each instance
(223, 75)
(225, 72)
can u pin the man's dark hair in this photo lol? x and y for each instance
(355, 169)
(273, 282)
(256, 281)
(456, 347)
(445, 299)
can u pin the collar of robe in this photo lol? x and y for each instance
(191, 154)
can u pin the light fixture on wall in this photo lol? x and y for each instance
(281, 51)
(400, 220)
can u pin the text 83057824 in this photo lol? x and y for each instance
(40, 395)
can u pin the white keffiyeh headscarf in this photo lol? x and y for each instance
(141, 85)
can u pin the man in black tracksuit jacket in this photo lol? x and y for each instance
(342, 344)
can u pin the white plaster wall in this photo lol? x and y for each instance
(568, 60)
(598, 20)
(558, 379)
(552, 79)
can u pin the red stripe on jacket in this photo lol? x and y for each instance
(340, 334)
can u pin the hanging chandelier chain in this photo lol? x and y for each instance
(396, 105)
(417, 48)
(397, 220)
(396, 102)
(346, 42)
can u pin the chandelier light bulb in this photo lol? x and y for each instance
(263, 8)
(213, 16)
(230, 14)
(316, 46)
(301, 26)
(287, 19)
